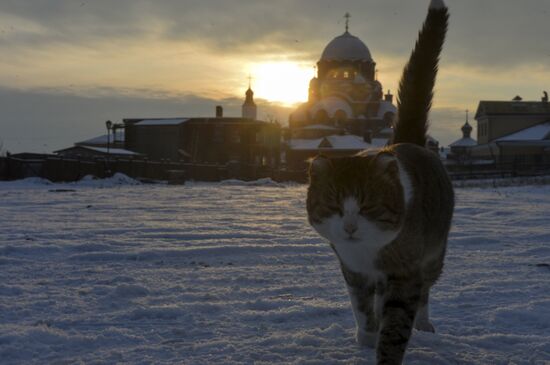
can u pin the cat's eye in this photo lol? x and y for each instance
(367, 210)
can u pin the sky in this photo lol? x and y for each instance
(66, 66)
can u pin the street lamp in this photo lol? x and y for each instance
(109, 125)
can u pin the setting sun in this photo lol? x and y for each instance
(283, 82)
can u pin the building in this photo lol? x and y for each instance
(218, 140)
(460, 149)
(514, 133)
(345, 99)
(496, 119)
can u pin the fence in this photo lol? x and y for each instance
(62, 169)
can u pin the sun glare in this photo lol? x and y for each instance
(283, 82)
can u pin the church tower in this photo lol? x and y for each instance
(249, 109)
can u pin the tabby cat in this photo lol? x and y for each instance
(387, 215)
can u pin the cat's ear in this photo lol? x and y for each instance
(386, 163)
(319, 167)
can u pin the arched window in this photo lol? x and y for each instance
(340, 116)
(321, 117)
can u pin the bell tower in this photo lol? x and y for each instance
(249, 108)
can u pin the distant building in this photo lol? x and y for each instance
(460, 149)
(111, 144)
(345, 99)
(513, 132)
(496, 119)
(218, 140)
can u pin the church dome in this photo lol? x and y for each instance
(346, 47)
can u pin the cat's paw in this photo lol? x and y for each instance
(424, 326)
(367, 339)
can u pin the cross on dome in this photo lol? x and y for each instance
(347, 16)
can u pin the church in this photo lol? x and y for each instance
(346, 111)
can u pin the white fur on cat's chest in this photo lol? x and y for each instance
(360, 258)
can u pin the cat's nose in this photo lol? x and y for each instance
(350, 228)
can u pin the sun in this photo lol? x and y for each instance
(281, 82)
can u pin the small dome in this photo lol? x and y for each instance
(346, 47)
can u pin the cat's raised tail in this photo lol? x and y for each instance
(416, 87)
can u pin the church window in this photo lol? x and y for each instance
(321, 117)
(346, 74)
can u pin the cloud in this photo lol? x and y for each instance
(491, 33)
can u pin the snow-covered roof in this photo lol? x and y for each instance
(464, 142)
(337, 142)
(157, 122)
(346, 47)
(331, 105)
(103, 139)
(385, 107)
(112, 151)
(538, 132)
(319, 127)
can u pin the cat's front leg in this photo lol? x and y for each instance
(400, 304)
(362, 303)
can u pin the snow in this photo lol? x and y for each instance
(319, 127)
(385, 107)
(464, 142)
(536, 133)
(338, 142)
(156, 122)
(231, 273)
(113, 151)
(103, 139)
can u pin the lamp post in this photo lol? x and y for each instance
(109, 125)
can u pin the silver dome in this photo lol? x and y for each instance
(346, 47)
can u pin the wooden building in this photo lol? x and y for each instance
(217, 140)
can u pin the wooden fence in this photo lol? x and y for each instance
(63, 169)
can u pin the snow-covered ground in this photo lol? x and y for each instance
(110, 272)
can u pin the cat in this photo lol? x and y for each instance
(387, 215)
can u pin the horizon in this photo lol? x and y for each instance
(67, 67)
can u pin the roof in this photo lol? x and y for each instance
(102, 150)
(103, 139)
(319, 127)
(336, 142)
(346, 47)
(537, 132)
(157, 122)
(178, 121)
(385, 107)
(512, 107)
(464, 142)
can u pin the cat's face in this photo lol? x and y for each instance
(355, 199)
